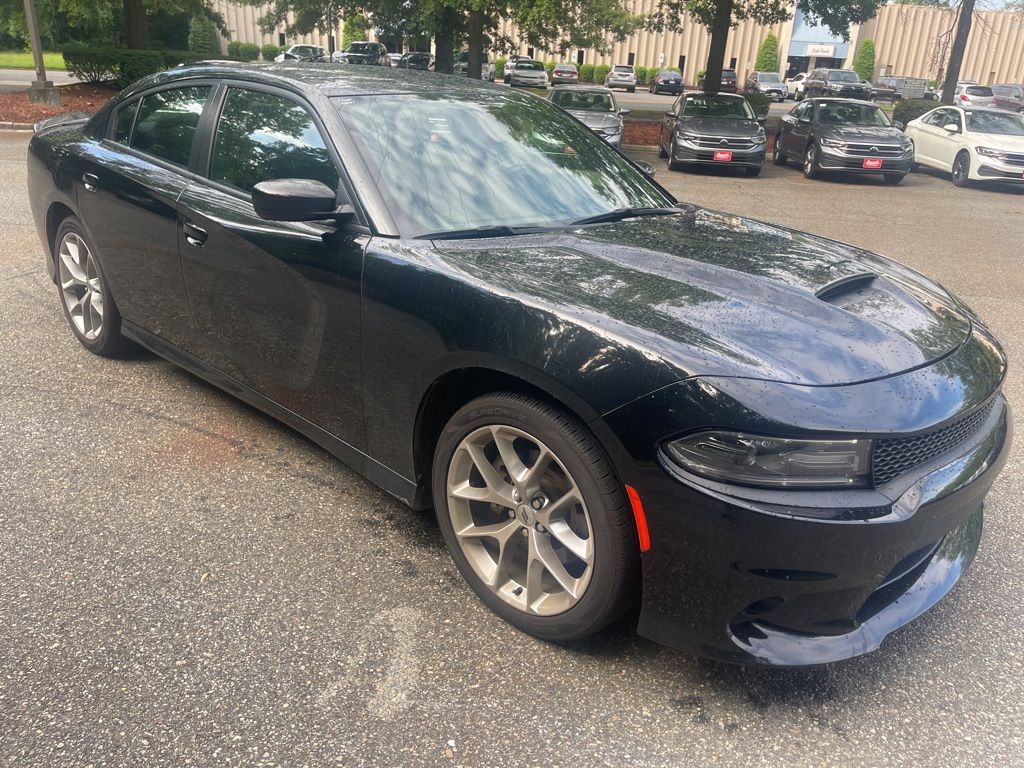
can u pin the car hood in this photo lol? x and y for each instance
(861, 133)
(771, 86)
(997, 141)
(596, 120)
(718, 126)
(708, 293)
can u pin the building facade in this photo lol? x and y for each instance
(909, 40)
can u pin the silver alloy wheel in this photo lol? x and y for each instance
(520, 520)
(809, 160)
(960, 170)
(80, 285)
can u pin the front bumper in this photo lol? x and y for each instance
(808, 577)
(990, 168)
(612, 83)
(697, 155)
(837, 159)
(774, 93)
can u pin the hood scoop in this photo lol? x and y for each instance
(834, 292)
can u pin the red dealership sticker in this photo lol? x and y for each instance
(723, 156)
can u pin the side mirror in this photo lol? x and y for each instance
(670, 113)
(899, 124)
(647, 168)
(761, 119)
(951, 128)
(625, 111)
(805, 119)
(297, 200)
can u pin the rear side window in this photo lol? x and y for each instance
(262, 136)
(167, 123)
(124, 121)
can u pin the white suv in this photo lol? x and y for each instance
(621, 76)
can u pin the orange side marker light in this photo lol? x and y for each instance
(641, 519)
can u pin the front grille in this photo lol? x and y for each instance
(894, 456)
(1014, 159)
(880, 150)
(717, 142)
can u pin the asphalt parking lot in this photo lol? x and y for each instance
(185, 582)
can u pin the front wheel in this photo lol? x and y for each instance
(811, 168)
(85, 295)
(672, 164)
(534, 517)
(778, 156)
(961, 170)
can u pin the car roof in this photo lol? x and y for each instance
(582, 88)
(864, 102)
(723, 95)
(326, 79)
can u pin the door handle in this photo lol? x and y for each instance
(90, 180)
(194, 235)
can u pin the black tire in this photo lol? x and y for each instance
(778, 156)
(893, 178)
(961, 174)
(661, 148)
(631, 90)
(108, 342)
(672, 164)
(811, 169)
(613, 585)
(752, 171)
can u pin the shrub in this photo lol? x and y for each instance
(91, 64)
(864, 60)
(202, 37)
(134, 65)
(550, 67)
(758, 102)
(233, 49)
(601, 72)
(499, 68)
(699, 76)
(768, 54)
(248, 52)
(586, 73)
(912, 109)
(641, 75)
(174, 58)
(269, 51)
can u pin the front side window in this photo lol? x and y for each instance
(124, 121)
(167, 123)
(262, 136)
(532, 165)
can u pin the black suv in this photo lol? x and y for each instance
(836, 82)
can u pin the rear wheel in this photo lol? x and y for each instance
(85, 295)
(631, 90)
(778, 156)
(811, 168)
(961, 170)
(534, 517)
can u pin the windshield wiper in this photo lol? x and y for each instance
(626, 213)
(492, 230)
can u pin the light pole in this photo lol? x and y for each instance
(41, 91)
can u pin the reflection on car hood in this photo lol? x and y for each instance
(887, 134)
(718, 126)
(714, 294)
(596, 120)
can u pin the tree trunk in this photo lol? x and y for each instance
(956, 56)
(476, 44)
(444, 42)
(136, 26)
(716, 54)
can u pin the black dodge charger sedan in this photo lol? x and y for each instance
(843, 136)
(777, 444)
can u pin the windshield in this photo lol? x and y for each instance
(843, 76)
(531, 164)
(839, 113)
(717, 106)
(1005, 124)
(769, 77)
(362, 48)
(978, 90)
(584, 101)
(622, 68)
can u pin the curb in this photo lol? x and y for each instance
(7, 126)
(635, 147)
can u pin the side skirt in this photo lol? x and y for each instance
(386, 478)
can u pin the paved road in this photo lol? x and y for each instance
(184, 582)
(20, 79)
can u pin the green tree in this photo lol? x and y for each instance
(202, 37)
(864, 60)
(719, 16)
(355, 28)
(768, 54)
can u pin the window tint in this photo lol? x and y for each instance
(167, 122)
(1000, 90)
(978, 90)
(261, 136)
(123, 124)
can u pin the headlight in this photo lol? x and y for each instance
(759, 137)
(684, 136)
(826, 142)
(774, 462)
(998, 154)
(611, 131)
